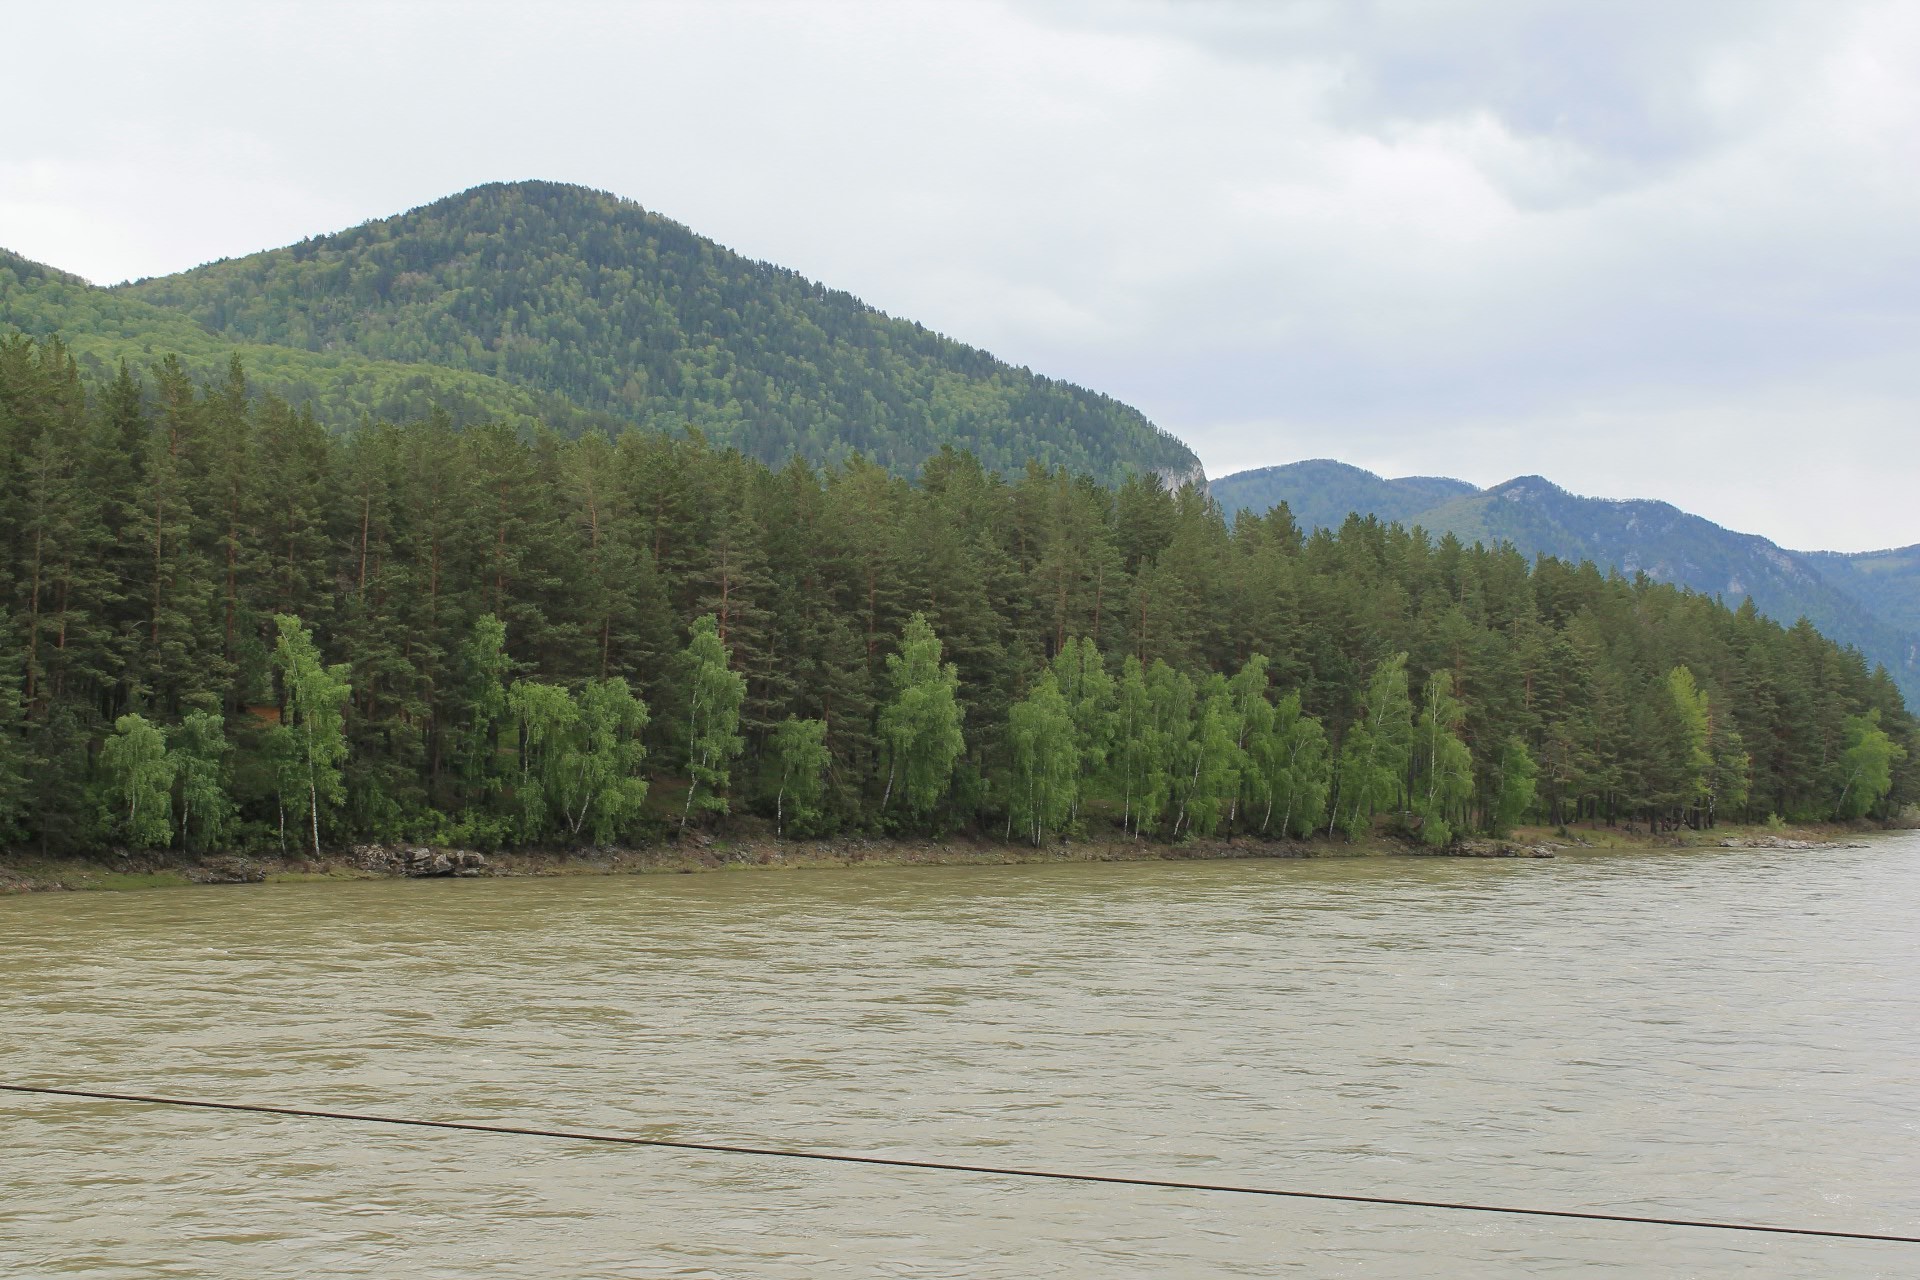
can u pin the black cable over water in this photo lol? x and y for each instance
(1106, 1179)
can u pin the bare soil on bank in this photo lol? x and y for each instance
(705, 852)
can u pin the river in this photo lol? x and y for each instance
(1720, 1034)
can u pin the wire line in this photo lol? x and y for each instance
(943, 1166)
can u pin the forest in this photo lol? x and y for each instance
(557, 289)
(227, 626)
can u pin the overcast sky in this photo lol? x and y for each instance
(1665, 249)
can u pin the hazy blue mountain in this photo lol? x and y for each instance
(1870, 601)
(579, 294)
(1322, 492)
(1888, 582)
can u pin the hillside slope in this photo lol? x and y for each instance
(1888, 582)
(101, 328)
(1321, 492)
(580, 294)
(1864, 601)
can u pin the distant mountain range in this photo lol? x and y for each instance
(540, 301)
(1870, 600)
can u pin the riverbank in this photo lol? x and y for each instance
(704, 853)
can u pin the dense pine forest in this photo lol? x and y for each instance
(226, 626)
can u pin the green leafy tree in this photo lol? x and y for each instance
(1514, 792)
(1287, 768)
(1692, 751)
(715, 692)
(1083, 681)
(139, 781)
(1046, 762)
(800, 761)
(602, 791)
(1168, 736)
(1133, 741)
(1444, 764)
(580, 759)
(547, 724)
(1208, 778)
(1730, 783)
(1374, 757)
(311, 737)
(479, 708)
(1866, 765)
(920, 723)
(1305, 778)
(199, 752)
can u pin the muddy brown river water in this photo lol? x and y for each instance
(1723, 1034)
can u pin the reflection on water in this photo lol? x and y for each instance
(1722, 1034)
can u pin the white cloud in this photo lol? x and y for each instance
(1644, 249)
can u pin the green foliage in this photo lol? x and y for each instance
(580, 760)
(1167, 738)
(479, 708)
(1515, 788)
(139, 782)
(199, 754)
(574, 294)
(1375, 755)
(1046, 762)
(1866, 600)
(1289, 770)
(15, 794)
(1207, 777)
(310, 742)
(548, 729)
(605, 794)
(1213, 676)
(715, 692)
(1867, 766)
(920, 724)
(1691, 774)
(798, 749)
(1443, 764)
(105, 328)
(1080, 674)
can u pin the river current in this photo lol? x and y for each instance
(1724, 1034)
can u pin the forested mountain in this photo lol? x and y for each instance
(1858, 600)
(101, 328)
(580, 294)
(1887, 582)
(224, 626)
(1321, 493)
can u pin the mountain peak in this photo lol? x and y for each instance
(569, 291)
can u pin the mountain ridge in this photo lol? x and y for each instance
(1632, 535)
(579, 293)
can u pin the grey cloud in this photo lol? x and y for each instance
(1594, 241)
(1623, 86)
